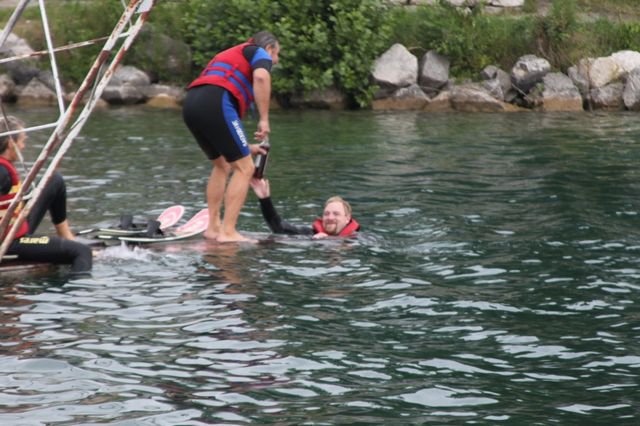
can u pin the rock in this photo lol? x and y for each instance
(7, 88)
(406, 98)
(396, 68)
(627, 60)
(631, 93)
(36, 93)
(434, 72)
(126, 94)
(128, 86)
(493, 88)
(528, 71)
(558, 94)
(579, 80)
(163, 101)
(441, 103)
(600, 71)
(472, 98)
(505, 3)
(162, 89)
(330, 98)
(127, 74)
(608, 98)
(498, 83)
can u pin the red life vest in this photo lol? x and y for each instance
(231, 70)
(15, 187)
(347, 231)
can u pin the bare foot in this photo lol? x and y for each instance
(210, 235)
(234, 238)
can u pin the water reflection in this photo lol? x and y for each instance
(495, 281)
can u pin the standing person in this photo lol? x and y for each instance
(26, 246)
(336, 218)
(215, 103)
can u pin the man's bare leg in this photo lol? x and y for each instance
(234, 198)
(215, 193)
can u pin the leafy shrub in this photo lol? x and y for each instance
(471, 41)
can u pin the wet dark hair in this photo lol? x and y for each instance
(14, 123)
(264, 39)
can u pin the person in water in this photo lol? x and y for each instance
(336, 218)
(60, 249)
(214, 105)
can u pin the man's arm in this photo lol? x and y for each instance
(262, 96)
(271, 216)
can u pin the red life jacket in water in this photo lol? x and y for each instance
(231, 70)
(5, 199)
(352, 227)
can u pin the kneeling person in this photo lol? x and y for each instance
(336, 218)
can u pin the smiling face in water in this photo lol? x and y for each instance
(335, 217)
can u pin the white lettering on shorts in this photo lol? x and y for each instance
(34, 240)
(239, 132)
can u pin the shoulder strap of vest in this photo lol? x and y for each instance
(12, 170)
(352, 226)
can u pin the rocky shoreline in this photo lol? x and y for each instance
(405, 82)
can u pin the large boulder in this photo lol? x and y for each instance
(405, 98)
(627, 60)
(330, 98)
(599, 72)
(36, 93)
(473, 98)
(579, 80)
(22, 71)
(395, 68)
(608, 98)
(434, 72)
(441, 103)
(558, 93)
(498, 83)
(528, 71)
(7, 88)
(631, 93)
(128, 86)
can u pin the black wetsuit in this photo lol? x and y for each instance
(277, 225)
(48, 249)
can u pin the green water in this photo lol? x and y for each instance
(496, 280)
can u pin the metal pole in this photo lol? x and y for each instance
(17, 12)
(52, 57)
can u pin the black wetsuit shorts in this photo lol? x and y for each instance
(211, 114)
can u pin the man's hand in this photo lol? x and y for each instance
(263, 130)
(256, 149)
(260, 187)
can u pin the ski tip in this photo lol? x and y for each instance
(170, 216)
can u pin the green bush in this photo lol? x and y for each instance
(471, 41)
(557, 32)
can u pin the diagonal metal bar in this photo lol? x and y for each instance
(17, 12)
